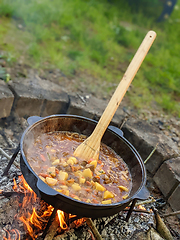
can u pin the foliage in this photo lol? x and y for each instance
(99, 37)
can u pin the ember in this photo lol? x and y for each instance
(141, 207)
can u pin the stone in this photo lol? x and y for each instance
(34, 96)
(56, 100)
(6, 100)
(174, 200)
(167, 177)
(82, 106)
(93, 108)
(145, 138)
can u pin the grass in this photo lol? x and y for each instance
(99, 38)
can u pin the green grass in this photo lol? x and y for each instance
(99, 38)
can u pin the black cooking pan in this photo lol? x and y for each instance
(113, 137)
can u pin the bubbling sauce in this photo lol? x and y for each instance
(105, 181)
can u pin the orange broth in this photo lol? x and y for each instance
(105, 181)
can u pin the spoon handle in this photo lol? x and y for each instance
(123, 85)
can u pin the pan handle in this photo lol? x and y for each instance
(116, 130)
(143, 194)
(31, 120)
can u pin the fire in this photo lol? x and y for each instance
(61, 218)
(34, 222)
(13, 232)
(15, 185)
(141, 207)
(79, 222)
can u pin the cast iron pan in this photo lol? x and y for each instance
(113, 137)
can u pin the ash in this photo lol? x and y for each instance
(116, 227)
(11, 130)
(10, 133)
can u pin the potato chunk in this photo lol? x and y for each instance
(99, 187)
(77, 198)
(56, 162)
(62, 175)
(70, 182)
(51, 181)
(107, 201)
(125, 196)
(63, 186)
(72, 161)
(108, 194)
(87, 173)
(51, 171)
(78, 174)
(82, 180)
(76, 187)
(122, 188)
(94, 162)
(63, 191)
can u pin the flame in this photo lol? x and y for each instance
(79, 222)
(141, 207)
(14, 232)
(15, 185)
(47, 212)
(30, 195)
(34, 223)
(62, 222)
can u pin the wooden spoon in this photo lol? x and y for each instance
(91, 146)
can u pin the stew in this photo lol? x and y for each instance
(105, 181)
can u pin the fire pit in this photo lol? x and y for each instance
(34, 213)
(17, 211)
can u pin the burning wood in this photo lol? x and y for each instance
(140, 210)
(35, 222)
(53, 229)
(59, 221)
(14, 232)
(27, 213)
(10, 194)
